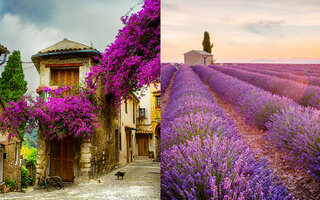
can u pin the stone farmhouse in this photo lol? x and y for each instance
(10, 162)
(197, 57)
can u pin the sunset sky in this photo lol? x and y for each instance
(242, 30)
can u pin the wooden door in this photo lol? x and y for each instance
(62, 159)
(143, 145)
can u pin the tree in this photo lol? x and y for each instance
(207, 46)
(12, 83)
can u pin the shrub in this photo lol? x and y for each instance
(10, 183)
(25, 179)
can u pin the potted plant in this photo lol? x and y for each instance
(151, 154)
(8, 185)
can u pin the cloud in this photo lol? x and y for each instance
(265, 27)
(29, 39)
(32, 25)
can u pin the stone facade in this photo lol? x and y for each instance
(93, 156)
(10, 162)
(196, 57)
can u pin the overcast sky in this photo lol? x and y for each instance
(33, 25)
(241, 30)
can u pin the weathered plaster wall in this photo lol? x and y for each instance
(155, 115)
(127, 122)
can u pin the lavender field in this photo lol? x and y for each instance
(206, 156)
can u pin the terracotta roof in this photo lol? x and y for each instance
(204, 53)
(66, 45)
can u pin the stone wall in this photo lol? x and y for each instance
(103, 149)
(12, 164)
(45, 71)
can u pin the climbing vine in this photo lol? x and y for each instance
(133, 59)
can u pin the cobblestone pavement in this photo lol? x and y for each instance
(142, 181)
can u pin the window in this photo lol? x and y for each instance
(64, 77)
(133, 112)
(158, 101)
(142, 113)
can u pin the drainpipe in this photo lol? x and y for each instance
(5, 58)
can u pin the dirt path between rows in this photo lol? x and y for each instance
(166, 95)
(299, 183)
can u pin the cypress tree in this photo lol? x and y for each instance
(12, 83)
(207, 46)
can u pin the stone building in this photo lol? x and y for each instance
(144, 134)
(9, 157)
(126, 143)
(155, 100)
(75, 159)
(197, 57)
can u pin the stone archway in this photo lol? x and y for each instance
(157, 141)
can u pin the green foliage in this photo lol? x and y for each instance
(207, 46)
(12, 83)
(32, 157)
(10, 183)
(25, 179)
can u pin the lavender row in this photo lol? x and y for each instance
(297, 69)
(203, 157)
(310, 80)
(167, 71)
(305, 95)
(290, 127)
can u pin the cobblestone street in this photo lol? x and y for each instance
(142, 181)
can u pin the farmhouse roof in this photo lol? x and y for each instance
(204, 53)
(66, 45)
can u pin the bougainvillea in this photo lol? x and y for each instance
(133, 59)
(57, 117)
(203, 156)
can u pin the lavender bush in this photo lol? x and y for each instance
(290, 126)
(167, 71)
(305, 95)
(203, 157)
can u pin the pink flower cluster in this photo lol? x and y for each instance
(133, 59)
(57, 117)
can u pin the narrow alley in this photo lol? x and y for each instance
(141, 181)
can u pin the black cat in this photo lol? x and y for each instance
(120, 174)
